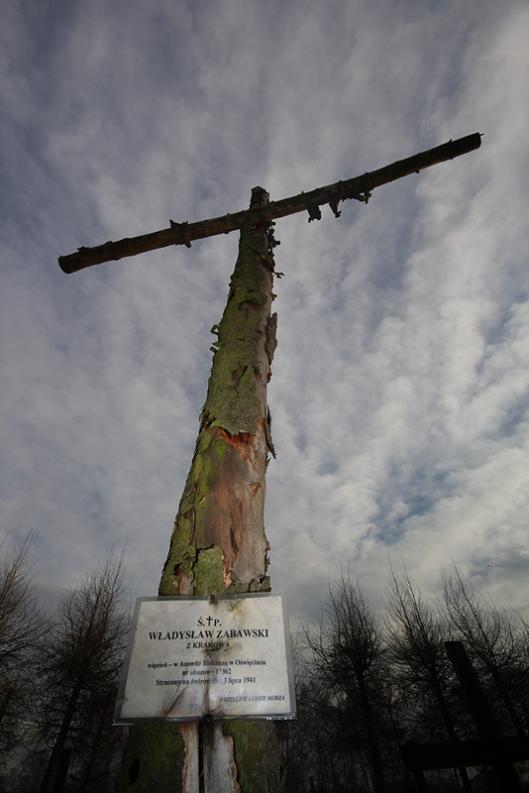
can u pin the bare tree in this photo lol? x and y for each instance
(362, 692)
(99, 744)
(490, 635)
(347, 658)
(311, 752)
(415, 636)
(80, 665)
(21, 625)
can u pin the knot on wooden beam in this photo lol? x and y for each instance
(346, 190)
(182, 231)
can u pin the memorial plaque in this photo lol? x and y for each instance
(190, 658)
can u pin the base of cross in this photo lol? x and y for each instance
(503, 753)
(491, 749)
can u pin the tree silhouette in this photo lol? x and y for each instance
(415, 636)
(347, 661)
(79, 669)
(21, 626)
(491, 637)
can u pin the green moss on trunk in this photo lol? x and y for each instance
(153, 761)
(233, 401)
(256, 753)
(216, 509)
(209, 572)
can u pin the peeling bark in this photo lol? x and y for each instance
(220, 769)
(189, 780)
(222, 506)
(219, 543)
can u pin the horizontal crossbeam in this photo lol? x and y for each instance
(359, 187)
(454, 754)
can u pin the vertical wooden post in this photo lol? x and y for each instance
(487, 727)
(219, 544)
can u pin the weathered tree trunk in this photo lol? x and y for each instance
(219, 543)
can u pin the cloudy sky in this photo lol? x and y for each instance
(400, 388)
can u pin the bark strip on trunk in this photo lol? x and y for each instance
(219, 543)
(359, 187)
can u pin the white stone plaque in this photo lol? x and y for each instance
(190, 658)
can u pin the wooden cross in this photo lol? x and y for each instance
(359, 188)
(219, 544)
(491, 748)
